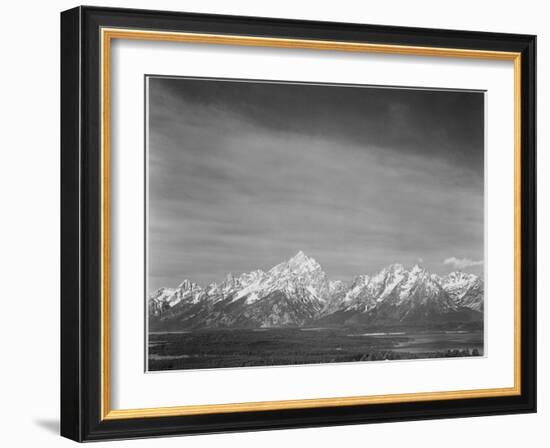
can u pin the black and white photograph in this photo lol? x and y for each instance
(296, 223)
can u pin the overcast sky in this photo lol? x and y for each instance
(242, 175)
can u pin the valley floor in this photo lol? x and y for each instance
(208, 349)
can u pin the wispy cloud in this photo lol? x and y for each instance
(461, 263)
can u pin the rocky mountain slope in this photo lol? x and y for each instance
(297, 293)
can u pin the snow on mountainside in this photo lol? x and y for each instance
(297, 292)
(465, 289)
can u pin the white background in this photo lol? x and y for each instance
(30, 225)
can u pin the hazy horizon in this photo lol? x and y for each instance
(243, 175)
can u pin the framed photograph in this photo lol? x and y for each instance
(276, 224)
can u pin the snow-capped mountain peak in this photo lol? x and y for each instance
(465, 289)
(299, 258)
(298, 291)
(299, 264)
(457, 277)
(417, 269)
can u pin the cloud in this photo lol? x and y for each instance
(461, 263)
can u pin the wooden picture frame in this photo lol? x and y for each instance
(86, 37)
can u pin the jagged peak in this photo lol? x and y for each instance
(392, 269)
(300, 255)
(300, 258)
(460, 275)
(160, 292)
(301, 261)
(396, 267)
(417, 270)
(246, 276)
(187, 284)
(360, 280)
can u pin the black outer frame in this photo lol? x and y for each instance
(80, 224)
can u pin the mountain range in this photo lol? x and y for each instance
(297, 293)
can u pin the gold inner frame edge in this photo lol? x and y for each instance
(107, 35)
